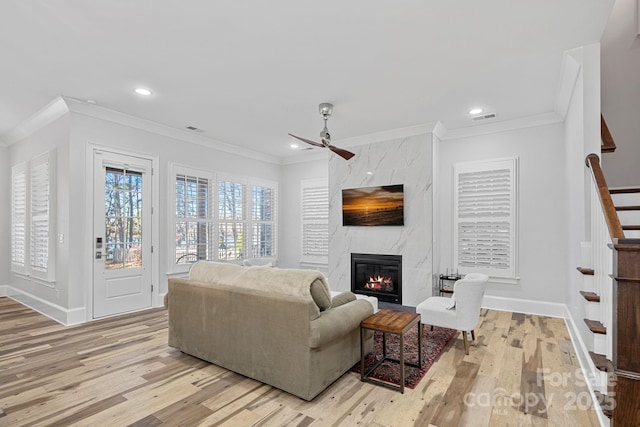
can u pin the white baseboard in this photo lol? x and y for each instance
(540, 308)
(160, 300)
(3, 290)
(53, 311)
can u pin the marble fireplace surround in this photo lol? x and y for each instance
(406, 161)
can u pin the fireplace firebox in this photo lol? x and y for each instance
(377, 275)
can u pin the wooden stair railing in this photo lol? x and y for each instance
(609, 210)
(608, 145)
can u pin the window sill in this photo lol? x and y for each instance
(504, 280)
(314, 264)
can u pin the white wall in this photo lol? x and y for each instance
(87, 132)
(621, 93)
(405, 161)
(437, 215)
(577, 177)
(542, 213)
(290, 236)
(54, 135)
(581, 139)
(74, 136)
(5, 217)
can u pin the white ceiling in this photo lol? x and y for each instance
(247, 73)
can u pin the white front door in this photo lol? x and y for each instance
(121, 234)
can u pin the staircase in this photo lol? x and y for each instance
(627, 204)
(611, 295)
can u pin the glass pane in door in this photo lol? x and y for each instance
(123, 219)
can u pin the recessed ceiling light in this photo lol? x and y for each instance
(475, 111)
(294, 145)
(369, 173)
(142, 91)
(92, 101)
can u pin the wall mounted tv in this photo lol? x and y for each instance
(368, 206)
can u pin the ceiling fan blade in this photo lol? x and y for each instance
(342, 153)
(315, 144)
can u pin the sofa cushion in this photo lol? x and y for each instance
(305, 283)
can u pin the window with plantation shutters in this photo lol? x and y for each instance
(264, 204)
(485, 202)
(232, 219)
(222, 218)
(32, 249)
(19, 217)
(315, 221)
(193, 217)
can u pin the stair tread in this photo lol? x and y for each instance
(601, 398)
(586, 271)
(631, 227)
(624, 190)
(601, 361)
(590, 296)
(628, 208)
(595, 326)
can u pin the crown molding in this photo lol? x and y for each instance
(503, 126)
(439, 130)
(81, 107)
(386, 135)
(355, 141)
(41, 118)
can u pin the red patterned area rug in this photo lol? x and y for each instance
(433, 345)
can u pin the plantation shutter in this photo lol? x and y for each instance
(315, 221)
(264, 203)
(193, 218)
(19, 217)
(232, 217)
(40, 226)
(485, 217)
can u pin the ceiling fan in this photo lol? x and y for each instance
(325, 111)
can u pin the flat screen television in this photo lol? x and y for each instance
(373, 206)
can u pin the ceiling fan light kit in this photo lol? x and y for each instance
(325, 110)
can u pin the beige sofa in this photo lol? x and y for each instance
(278, 326)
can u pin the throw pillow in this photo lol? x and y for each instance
(320, 294)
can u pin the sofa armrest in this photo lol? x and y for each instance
(338, 321)
(342, 299)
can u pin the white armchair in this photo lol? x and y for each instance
(461, 311)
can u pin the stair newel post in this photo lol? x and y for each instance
(626, 332)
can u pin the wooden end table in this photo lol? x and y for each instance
(393, 322)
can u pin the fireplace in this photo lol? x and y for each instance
(377, 275)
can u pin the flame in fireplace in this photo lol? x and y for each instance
(380, 283)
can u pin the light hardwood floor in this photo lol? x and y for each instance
(521, 370)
